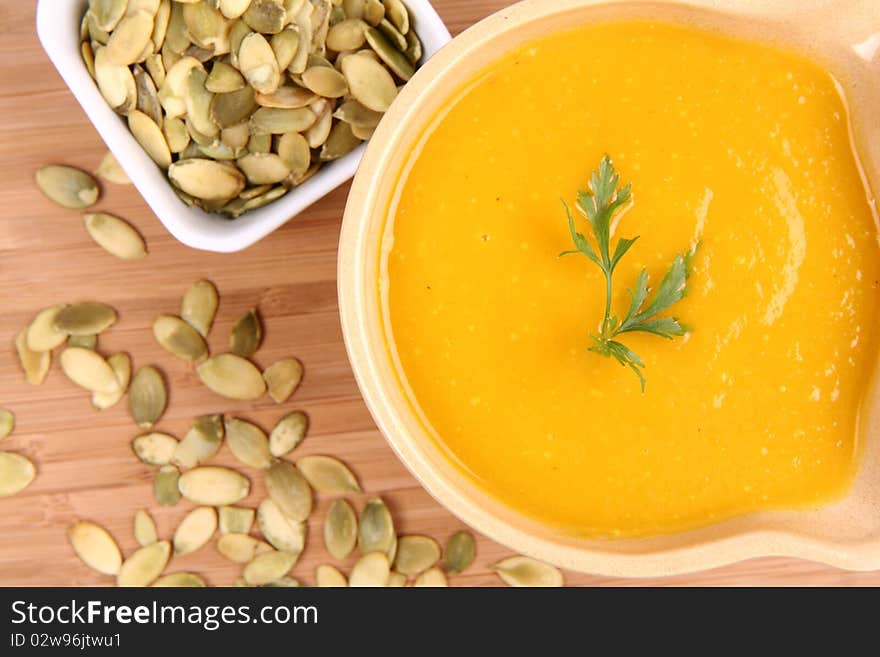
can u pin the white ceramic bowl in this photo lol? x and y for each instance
(58, 24)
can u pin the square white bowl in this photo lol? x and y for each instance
(58, 25)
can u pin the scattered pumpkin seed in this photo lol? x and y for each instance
(115, 236)
(180, 580)
(235, 519)
(147, 397)
(201, 442)
(268, 567)
(248, 443)
(232, 376)
(84, 341)
(154, 448)
(16, 473)
(369, 82)
(289, 490)
(459, 552)
(241, 548)
(328, 475)
(416, 554)
(327, 576)
(195, 530)
(340, 529)
(42, 334)
(95, 547)
(144, 528)
(86, 318)
(120, 363)
(371, 570)
(288, 433)
(213, 486)
(246, 334)
(433, 577)
(199, 306)
(376, 528)
(281, 532)
(34, 364)
(89, 370)
(165, 485)
(179, 338)
(110, 170)
(526, 572)
(282, 379)
(68, 187)
(7, 422)
(144, 566)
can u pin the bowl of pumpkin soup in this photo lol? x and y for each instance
(609, 281)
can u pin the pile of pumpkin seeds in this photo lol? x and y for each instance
(241, 100)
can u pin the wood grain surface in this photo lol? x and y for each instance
(85, 465)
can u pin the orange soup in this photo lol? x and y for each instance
(738, 146)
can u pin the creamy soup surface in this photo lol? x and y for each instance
(739, 146)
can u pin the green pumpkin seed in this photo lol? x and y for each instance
(88, 370)
(396, 39)
(263, 199)
(416, 554)
(88, 57)
(288, 433)
(95, 547)
(281, 532)
(324, 81)
(172, 93)
(237, 34)
(195, 530)
(68, 187)
(257, 63)
(393, 58)
(285, 45)
(147, 397)
(84, 341)
(179, 338)
(180, 580)
(86, 318)
(149, 6)
(223, 79)
(232, 377)
(525, 572)
(206, 27)
(287, 97)
(346, 35)
(145, 528)
(235, 519)
(282, 378)
(374, 12)
(206, 179)
(154, 448)
(165, 485)
(176, 40)
(144, 566)
(266, 16)
(268, 567)
(241, 548)
(276, 121)
(357, 115)
(233, 8)
(176, 134)
(353, 8)
(201, 442)
(248, 443)
(160, 23)
(213, 486)
(260, 143)
(396, 12)
(34, 364)
(116, 84)
(396, 580)
(110, 170)
(156, 68)
(128, 40)
(97, 36)
(107, 13)
(364, 134)
(371, 570)
(369, 82)
(16, 473)
(42, 334)
(328, 475)
(150, 137)
(261, 169)
(199, 306)
(198, 103)
(341, 141)
(120, 363)
(340, 529)
(7, 422)
(236, 137)
(327, 576)
(253, 192)
(318, 133)
(303, 23)
(459, 552)
(433, 577)
(414, 49)
(289, 490)
(376, 528)
(115, 236)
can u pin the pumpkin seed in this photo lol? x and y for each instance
(213, 486)
(115, 236)
(206, 179)
(198, 103)
(172, 94)
(340, 529)
(241, 548)
(154, 448)
(285, 45)
(160, 23)
(303, 23)
(34, 364)
(233, 8)
(260, 143)
(156, 68)
(68, 187)
(97, 36)
(144, 566)
(320, 25)
(7, 422)
(396, 580)
(16, 473)
(374, 12)
(414, 49)
(120, 363)
(260, 169)
(257, 63)
(147, 397)
(327, 576)
(235, 519)
(84, 341)
(88, 57)
(416, 554)
(116, 84)
(237, 34)
(393, 58)
(282, 378)
(357, 115)
(324, 81)
(42, 334)
(346, 35)
(179, 580)
(248, 443)
(95, 547)
(201, 442)
(277, 121)
(287, 97)
(396, 39)
(369, 82)
(206, 27)
(107, 13)
(88, 370)
(199, 306)
(266, 16)
(281, 532)
(371, 570)
(149, 6)
(128, 40)
(459, 552)
(376, 528)
(150, 137)
(289, 490)
(179, 338)
(223, 79)
(195, 530)
(264, 199)
(110, 170)
(288, 433)
(432, 577)
(85, 318)
(328, 475)
(165, 485)
(176, 40)
(232, 376)
(526, 572)
(145, 528)
(268, 567)
(176, 134)
(353, 8)
(318, 133)
(395, 11)
(236, 137)
(252, 192)
(341, 141)
(295, 152)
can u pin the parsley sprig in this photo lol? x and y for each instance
(600, 204)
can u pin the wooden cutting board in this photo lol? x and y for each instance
(86, 468)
